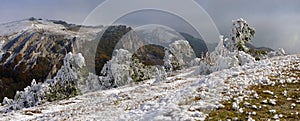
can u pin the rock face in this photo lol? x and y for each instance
(31, 45)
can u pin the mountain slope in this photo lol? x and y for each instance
(198, 45)
(180, 97)
(34, 49)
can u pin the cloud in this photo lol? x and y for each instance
(276, 21)
(282, 32)
(70, 10)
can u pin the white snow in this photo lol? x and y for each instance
(235, 106)
(272, 111)
(10, 28)
(268, 92)
(275, 116)
(293, 105)
(1, 45)
(272, 101)
(284, 93)
(255, 95)
(79, 60)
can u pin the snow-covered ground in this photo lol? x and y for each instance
(10, 28)
(183, 96)
(17, 27)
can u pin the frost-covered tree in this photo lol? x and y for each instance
(117, 70)
(161, 74)
(62, 86)
(90, 83)
(67, 77)
(171, 63)
(242, 33)
(229, 52)
(221, 58)
(167, 61)
(140, 71)
(178, 55)
(123, 69)
(182, 51)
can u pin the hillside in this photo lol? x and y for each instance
(181, 97)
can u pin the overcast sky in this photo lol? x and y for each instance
(277, 22)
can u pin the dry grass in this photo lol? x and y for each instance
(283, 106)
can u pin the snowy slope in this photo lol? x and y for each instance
(154, 34)
(184, 96)
(12, 27)
(21, 26)
(26, 25)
